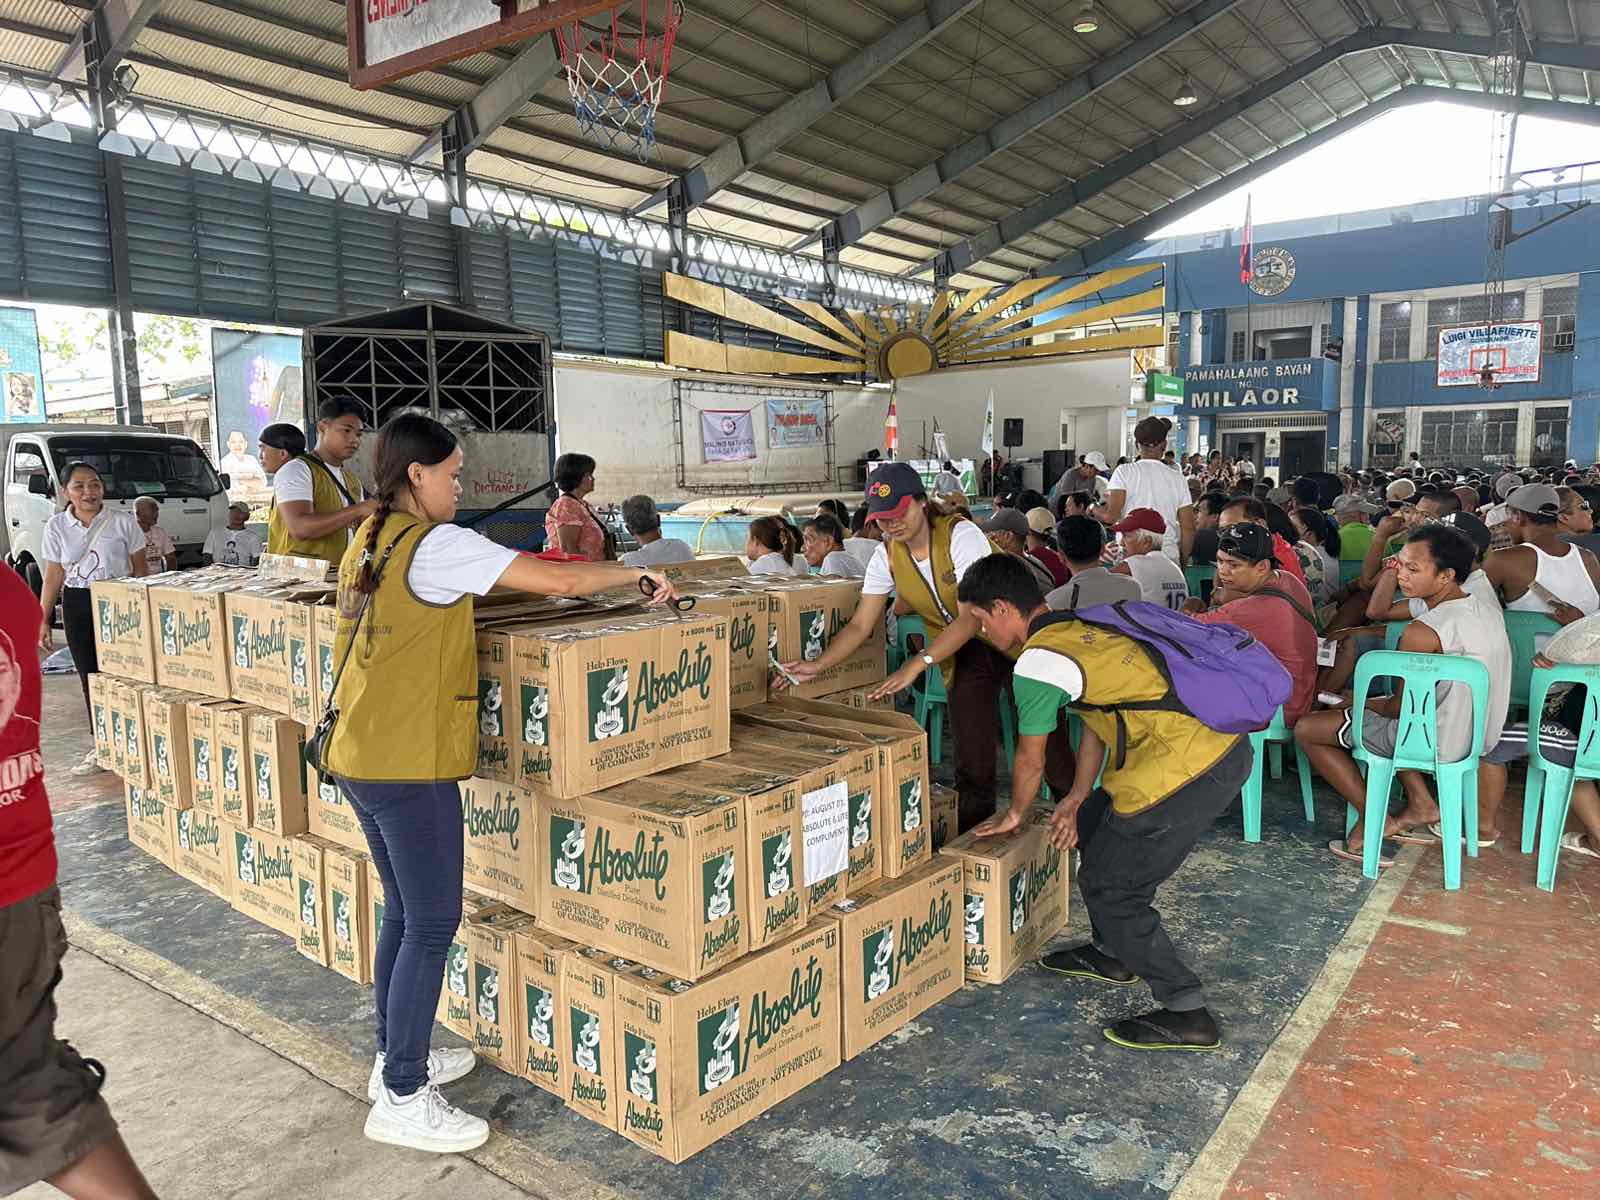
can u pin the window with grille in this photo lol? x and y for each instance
(1472, 309)
(1236, 347)
(1394, 332)
(1550, 433)
(1468, 437)
(1560, 320)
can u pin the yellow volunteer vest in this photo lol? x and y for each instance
(325, 498)
(408, 698)
(911, 585)
(1149, 753)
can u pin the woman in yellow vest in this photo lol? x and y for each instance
(315, 499)
(407, 732)
(927, 549)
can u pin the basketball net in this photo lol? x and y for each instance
(618, 79)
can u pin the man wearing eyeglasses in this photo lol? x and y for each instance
(1270, 605)
(1577, 519)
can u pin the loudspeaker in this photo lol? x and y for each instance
(1056, 463)
(1013, 431)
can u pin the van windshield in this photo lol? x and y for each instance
(166, 468)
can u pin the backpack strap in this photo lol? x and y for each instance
(1290, 601)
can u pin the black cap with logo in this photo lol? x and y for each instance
(892, 490)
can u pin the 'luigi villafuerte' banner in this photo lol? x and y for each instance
(21, 374)
(1510, 350)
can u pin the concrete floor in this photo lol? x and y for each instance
(1387, 1040)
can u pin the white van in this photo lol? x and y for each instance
(134, 461)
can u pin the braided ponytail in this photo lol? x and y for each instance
(408, 438)
(366, 580)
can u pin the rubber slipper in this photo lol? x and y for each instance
(1575, 843)
(1076, 963)
(1142, 1033)
(1415, 835)
(1483, 843)
(1341, 849)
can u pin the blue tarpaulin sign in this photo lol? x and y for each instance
(21, 374)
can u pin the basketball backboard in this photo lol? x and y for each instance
(390, 39)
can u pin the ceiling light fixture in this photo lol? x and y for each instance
(1185, 95)
(1088, 20)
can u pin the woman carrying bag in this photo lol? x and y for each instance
(402, 731)
(927, 548)
(571, 526)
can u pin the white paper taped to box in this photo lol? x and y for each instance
(827, 831)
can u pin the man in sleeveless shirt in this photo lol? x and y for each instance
(1540, 572)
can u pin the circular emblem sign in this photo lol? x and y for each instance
(1271, 271)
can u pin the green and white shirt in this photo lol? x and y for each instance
(1043, 683)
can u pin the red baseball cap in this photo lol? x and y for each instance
(1147, 520)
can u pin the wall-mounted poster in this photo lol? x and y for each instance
(21, 375)
(727, 436)
(794, 423)
(259, 382)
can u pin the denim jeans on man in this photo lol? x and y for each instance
(414, 833)
(1124, 860)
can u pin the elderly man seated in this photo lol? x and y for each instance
(1161, 581)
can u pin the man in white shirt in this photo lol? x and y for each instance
(949, 483)
(642, 520)
(1148, 482)
(1161, 581)
(234, 546)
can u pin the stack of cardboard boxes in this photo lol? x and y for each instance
(685, 900)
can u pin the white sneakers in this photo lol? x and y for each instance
(425, 1120)
(88, 766)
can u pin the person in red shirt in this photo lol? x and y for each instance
(1247, 509)
(1041, 529)
(1268, 604)
(54, 1126)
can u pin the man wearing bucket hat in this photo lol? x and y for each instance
(927, 550)
(1148, 482)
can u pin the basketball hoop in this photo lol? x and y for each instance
(1487, 380)
(618, 79)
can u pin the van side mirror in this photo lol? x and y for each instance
(39, 485)
(227, 481)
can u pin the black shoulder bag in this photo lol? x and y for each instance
(317, 743)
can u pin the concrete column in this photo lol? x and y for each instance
(1345, 321)
(1583, 434)
(1524, 449)
(1196, 349)
(1364, 341)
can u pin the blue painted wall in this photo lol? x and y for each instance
(1401, 384)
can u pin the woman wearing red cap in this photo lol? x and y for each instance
(926, 551)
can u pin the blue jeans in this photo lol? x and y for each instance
(414, 833)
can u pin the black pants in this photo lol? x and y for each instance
(77, 621)
(1124, 860)
(982, 675)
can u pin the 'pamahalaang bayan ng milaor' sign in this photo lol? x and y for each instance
(1291, 384)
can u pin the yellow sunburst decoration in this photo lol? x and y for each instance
(986, 324)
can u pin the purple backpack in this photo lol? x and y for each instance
(1220, 675)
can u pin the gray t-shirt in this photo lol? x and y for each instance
(667, 550)
(1091, 587)
(1471, 627)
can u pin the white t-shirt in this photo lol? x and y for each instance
(239, 467)
(968, 544)
(861, 549)
(67, 543)
(292, 481)
(664, 550)
(451, 561)
(1150, 483)
(233, 547)
(771, 563)
(1160, 580)
(842, 562)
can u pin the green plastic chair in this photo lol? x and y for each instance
(1201, 580)
(1416, 749)
(929, 702)
(1272, 739)
(1391, 634)
(1523, 629)
(1550, 784)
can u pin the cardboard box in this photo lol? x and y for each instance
(113, 690)
(269, 639)
(150, 824)
(122, 628)
(749, 631)
(324, 631)
(902, 950)
(104, 757)
(606, 701)
(135, 746)
(497, 1018)
(166, 719)
(455, 998)
(774, 841)
(860, 697)
(329, 815)
(200, 853)
(944, 808)
(311, 936)
(496, 684)
(696, 1063)
(375, 908)
(588, 996)
(500, 830)
(650, 877)
(204, 764)
(544, 1032)
(277, 774)
(344, 880)
(904, 791)
(825, 816)
(230, 736)
(806, 616)
(191, 636)
(262, 885)
(1016, 896)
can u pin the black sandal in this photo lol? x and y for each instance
(1085, 962)
(1167, 1030)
